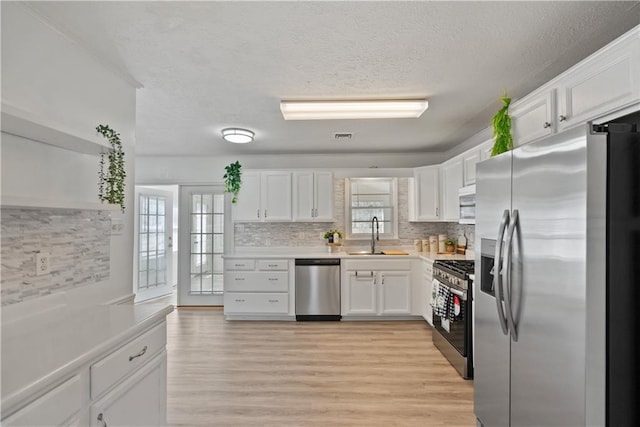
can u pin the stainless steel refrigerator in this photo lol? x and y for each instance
(549, 349)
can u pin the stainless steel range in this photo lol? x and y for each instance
(452, 316)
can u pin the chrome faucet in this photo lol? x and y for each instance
(377, 237)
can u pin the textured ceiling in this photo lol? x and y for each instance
(205, 66)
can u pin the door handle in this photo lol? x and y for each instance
(497, 277)
(508, 252)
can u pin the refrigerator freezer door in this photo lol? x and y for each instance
(548, 281)
(491, 371)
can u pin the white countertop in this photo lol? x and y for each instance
(271, 253)
(43, 349)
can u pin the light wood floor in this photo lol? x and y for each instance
(223, 373)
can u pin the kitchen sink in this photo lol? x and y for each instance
(364, 253)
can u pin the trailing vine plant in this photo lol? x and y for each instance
(233, 179)
(111, 176)
(502, 128)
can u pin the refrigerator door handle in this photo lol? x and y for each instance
(497, 277)
(507, 272)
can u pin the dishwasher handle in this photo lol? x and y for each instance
(318, 261)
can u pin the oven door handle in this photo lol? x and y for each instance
(461, 294)
(497, 276)
(508, 288)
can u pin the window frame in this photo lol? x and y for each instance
(349, 235)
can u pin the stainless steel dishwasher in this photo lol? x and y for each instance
(318, 289)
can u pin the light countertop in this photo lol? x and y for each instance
(42, 349)
(271, 253)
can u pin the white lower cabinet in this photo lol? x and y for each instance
(427, 282)
(376, 288)
(62, 406)
(125, 386)
(138, 401)
(257, 286)
(256, 303)
(395, 292)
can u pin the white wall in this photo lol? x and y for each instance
(48, 75)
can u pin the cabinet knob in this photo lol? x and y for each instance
(547, 125)
(563, 118)
(101, 420)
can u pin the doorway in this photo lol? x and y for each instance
(153, 243)
(201, 245)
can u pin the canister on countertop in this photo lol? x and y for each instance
(433, 243)
(441, 239)
(425, 245)
(417, 245)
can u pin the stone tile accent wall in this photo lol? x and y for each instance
(78, 243)
(304, 234)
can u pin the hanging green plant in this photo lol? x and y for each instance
(232, 179)
(111, 176)
(502, 128)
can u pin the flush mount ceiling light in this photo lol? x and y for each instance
(237, 135)
(365, 109)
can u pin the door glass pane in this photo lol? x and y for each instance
(207, 203)
(152, 205)
(195, 263)
(218, 243)
(142, 280)
(218, 264)
(207, 223)
(218, 282)
(207, 217)
(151, 241)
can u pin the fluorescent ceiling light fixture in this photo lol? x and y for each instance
(237, 135)
(365, 109)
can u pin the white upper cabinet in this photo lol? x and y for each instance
(427, 193)
(469, 161)
(247, 207)
(276, 195)
(451, 182)
(312, 196)
(605, 82)
(264, 196)
(533, 118)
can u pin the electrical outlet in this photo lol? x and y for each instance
(42, 263)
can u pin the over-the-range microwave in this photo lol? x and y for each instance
(467, 204)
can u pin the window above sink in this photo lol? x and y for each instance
(369, 197)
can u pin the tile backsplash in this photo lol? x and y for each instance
(307, 234)
(78, 243)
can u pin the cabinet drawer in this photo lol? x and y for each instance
(54, 408)
(239, 264)
(276, 264)
(126, 359)
(252, 281)
(256, 303)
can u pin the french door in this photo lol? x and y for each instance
(153, 243)
(201, 246)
